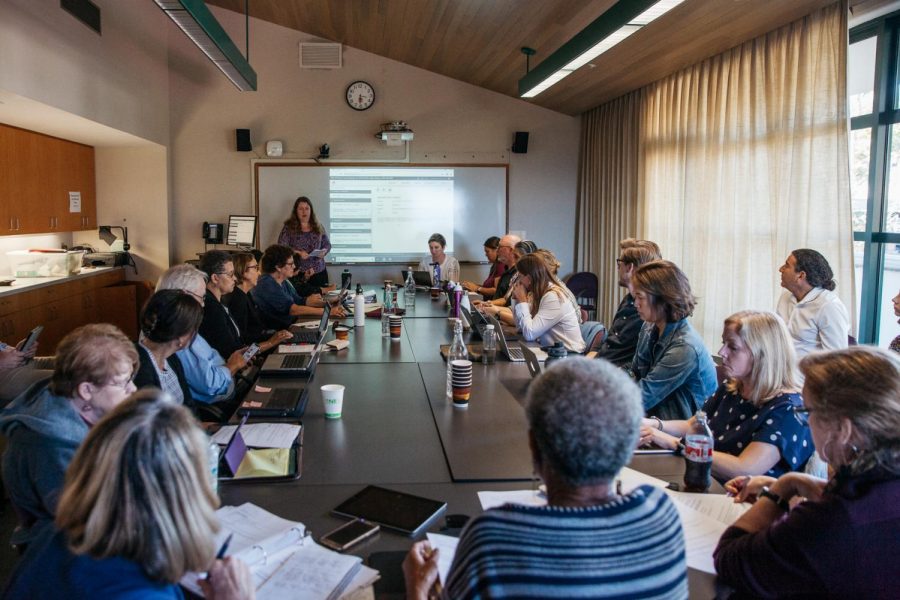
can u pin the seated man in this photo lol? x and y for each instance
(621, 341)
(278, 302)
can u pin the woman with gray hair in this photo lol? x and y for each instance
(209, 376)
(840, 538)
(583, 418)
(136, 514)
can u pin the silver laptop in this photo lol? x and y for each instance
(534, 365)
(513, 354)
(292, 365)
(307, 336)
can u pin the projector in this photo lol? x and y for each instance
(394, 138)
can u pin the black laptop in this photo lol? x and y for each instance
(422, 278)
(278, 402)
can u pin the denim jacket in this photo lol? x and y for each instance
(674, 370)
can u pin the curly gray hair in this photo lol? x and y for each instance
(585, 418)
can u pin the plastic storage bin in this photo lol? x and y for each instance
(25, 263)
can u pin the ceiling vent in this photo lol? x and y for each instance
(320, 55)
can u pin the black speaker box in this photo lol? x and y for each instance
(520, 143)
(243, 140)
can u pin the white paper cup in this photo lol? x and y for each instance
(333, 399)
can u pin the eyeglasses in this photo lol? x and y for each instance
(120, 384)
(620, 261)
(226, 274)
(252, 268)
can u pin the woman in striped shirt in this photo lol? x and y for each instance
(588, 541)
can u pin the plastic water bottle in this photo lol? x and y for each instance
(698, 455)
(457, 351)
(386, 311)
(489, 347)
(359, 308)
(345, 279)
(212, 456)
(409, 292)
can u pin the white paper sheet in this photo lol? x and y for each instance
(446, 545)
(261, 435)
(526, 497)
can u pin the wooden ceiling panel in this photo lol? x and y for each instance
(479, 41)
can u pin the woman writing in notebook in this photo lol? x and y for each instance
(305, 235)
(751, 415)
(143, 466)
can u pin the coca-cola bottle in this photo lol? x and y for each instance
(698, 455)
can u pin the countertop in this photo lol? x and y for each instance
(27, 284)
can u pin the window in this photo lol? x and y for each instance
(873, 89)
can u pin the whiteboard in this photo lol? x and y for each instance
(375, 213)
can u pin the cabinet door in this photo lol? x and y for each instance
(22, 170)
(118, 305)
(58, 319)
(79, 176)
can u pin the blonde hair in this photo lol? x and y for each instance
(774, 360)
(92, 353)
(861, 384)
(139, 488)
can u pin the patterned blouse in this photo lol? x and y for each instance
(306, 241)
(895, 344)
(736, 423)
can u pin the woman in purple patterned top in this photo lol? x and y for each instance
(303, 232)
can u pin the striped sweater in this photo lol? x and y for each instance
(632, 547)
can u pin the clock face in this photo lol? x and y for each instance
(360, 95)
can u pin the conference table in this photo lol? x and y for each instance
(399, 431)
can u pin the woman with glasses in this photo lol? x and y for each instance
(137, 513)
(218, 328)
(243, 309)
(45, 425)
(169, 321)
(839, 538)
(751, 415)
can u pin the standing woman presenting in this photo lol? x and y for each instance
(303, 232)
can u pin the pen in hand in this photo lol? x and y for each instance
(221, 553)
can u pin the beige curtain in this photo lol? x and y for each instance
(743, 157)
(607, 206)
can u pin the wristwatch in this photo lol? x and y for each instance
(778, 500)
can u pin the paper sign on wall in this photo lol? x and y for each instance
(74, 202)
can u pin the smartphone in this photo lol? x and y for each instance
(31, 340)
(250, 352)
(349, 534)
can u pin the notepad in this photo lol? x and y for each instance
(284, 560)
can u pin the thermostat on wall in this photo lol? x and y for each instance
(274, 149)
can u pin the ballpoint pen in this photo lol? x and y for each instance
(221, 553)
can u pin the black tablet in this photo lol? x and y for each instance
(392, 509)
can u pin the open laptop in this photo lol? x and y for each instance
(422, 278)
(473, 320)
(513, 354)
(291, 365)
(279, 402)
(534, 365)
(312, 336)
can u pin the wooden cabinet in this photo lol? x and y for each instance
(37, 172)
(66, 305)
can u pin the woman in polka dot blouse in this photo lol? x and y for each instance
(751, 414)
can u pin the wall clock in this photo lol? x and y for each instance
(360, 95)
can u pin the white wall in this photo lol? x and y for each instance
(453, 121)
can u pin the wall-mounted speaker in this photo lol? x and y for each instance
(242, 136)
(520, 143)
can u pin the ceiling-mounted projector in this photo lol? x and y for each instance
(394, 138)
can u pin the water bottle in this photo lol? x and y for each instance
(386, 311)
(212, 455)
(457, 351)
(436, 274)
(409, 293)
(489, 347)
(345, 279)
(698, 455)
(359, 308)
(457, 298)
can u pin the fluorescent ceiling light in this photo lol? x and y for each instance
(195, 20)
(620, 21)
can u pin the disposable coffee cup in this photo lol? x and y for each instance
(435, 293)
(341, 332)
(461, 394)
(333, 399)
(395, 323)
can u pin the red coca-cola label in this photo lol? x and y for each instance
(698, 448)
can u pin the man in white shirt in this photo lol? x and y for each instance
(815, 316)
